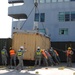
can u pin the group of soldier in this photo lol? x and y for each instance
(13, 56)
(51, 57)
(46, 57)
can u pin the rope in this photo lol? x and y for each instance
(59, 49)
(43, 28)
(27, 19)
(73, 49)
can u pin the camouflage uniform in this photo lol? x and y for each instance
(20, 53)
(4, 56)
(69, 54)
(12, 57)
(54, 56)
(38, 57)
(51, 62)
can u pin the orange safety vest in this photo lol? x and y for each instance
(56, 52)
(68, 52)
(12, 52)
(44, 54)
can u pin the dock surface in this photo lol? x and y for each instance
(61, 69)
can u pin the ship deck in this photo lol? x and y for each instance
(61, 69)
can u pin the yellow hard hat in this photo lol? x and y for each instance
(42, 50)
(69, 48)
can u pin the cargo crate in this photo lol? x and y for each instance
(30, 41)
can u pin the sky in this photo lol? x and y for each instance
(5, 20)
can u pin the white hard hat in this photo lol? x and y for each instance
(38, 47)
(51, 49)
(22, 47)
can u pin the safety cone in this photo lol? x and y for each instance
(37, 72)
(46, 68)
(74, 73)
(61, 68)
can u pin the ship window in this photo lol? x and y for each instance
(42, 17)
(63, 31)
(72, 0)
(61, 16)
(36, 18)
(48, 1)
(13, 27)
(60, 0)
(42, 30)
(67, 16)
(35, 1)
(54, 0)
(72, 16)
(64, 16)
(66, 0)
(42, 1)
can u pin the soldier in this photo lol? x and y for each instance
(12, 57)
(38, 56)
(57, 55)
(20, 54)
(69, 54)
(45, 57)
(4, 56)
(51, 62)
(54, 56)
